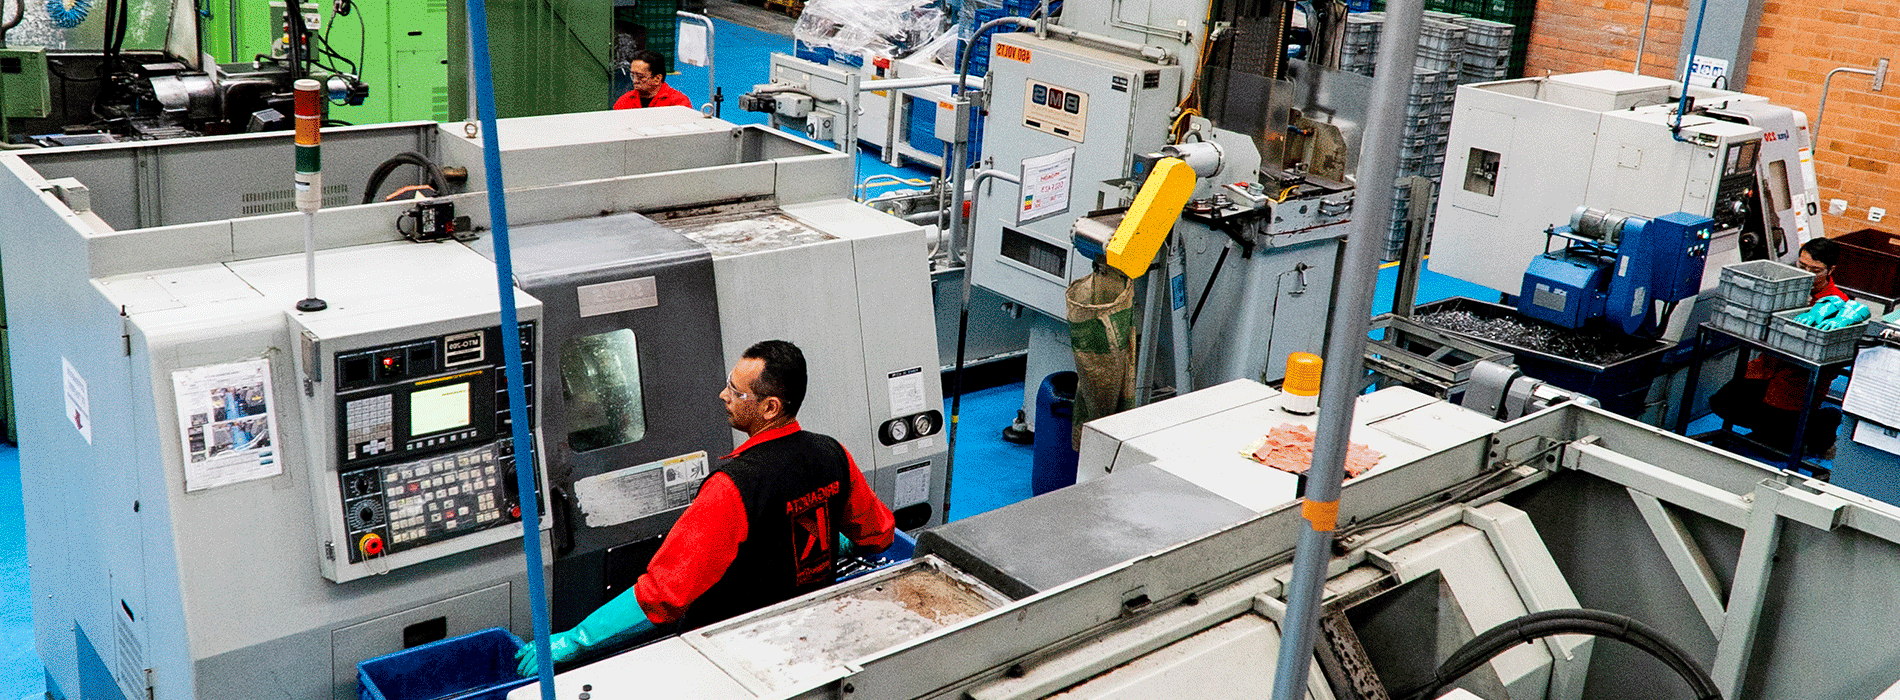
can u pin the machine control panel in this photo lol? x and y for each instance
(397, 507)
(1736, 191)
(1058, 110)
(424, 448)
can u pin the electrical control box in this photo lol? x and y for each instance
(1068, 120)
(25, 91)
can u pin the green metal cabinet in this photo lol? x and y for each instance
(401, 48)
(549, 56)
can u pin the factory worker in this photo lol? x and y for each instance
(1767, 398)
(649, 84)
(767, 525)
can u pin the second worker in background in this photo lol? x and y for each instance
(765, 527)
(648, 70)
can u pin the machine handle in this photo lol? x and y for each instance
(564, 510)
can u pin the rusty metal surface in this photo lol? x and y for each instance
(751, 232)
(796, 644)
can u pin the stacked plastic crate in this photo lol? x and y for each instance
(1487, 53)
(660, 19)
(1361, 47)
(1517, 13)
(1427, 120)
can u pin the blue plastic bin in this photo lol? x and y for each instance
(1053, 465)
(477, 666)
(902, 547)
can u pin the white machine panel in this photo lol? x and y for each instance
(849, 286)
(1049, 94)
(1202, 437)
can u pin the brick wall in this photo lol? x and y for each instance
(1858, 155)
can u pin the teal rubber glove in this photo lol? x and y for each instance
(846, 550)
(1851, 313)
(620, 617)
(1826, 308)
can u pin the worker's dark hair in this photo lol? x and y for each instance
(784, 372)
(656, 63)
(1823, 250)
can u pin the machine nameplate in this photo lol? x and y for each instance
(625, 495)
(617, 296)
(462, 349)
(1053, 109)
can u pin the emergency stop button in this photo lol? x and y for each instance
(370, 545)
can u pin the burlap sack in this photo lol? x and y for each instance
(1102, 333)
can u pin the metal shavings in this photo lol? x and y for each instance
(731, 235)
(1588, 346)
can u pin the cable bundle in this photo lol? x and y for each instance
(68, 13)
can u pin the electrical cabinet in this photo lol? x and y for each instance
(1078, 116)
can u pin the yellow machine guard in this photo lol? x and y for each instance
(1151, 217)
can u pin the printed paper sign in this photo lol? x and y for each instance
(227, 428)
(913, 486)
(1046, 186)
(692, 46)
(78, 400)
(908, 394)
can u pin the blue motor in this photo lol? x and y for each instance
(1617, 267)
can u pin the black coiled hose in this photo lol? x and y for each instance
(1596, 623)
(382, 172)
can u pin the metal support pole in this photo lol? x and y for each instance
(1344, 374)
(963, 333)
(1879, 74)
(1412, 258)
(1146, 352)
(1177, 316)
(958, 163)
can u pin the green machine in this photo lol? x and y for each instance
(549, 56)
(400, 48)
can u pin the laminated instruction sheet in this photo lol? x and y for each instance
(228, 430)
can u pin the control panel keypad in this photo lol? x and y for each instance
(440, 497)
(443, 495)
(371, 426)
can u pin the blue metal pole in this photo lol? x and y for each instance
(525, 483)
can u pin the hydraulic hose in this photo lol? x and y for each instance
(1596, 623)
(19, 13)
(436, 180)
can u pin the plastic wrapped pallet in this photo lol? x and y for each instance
(891, 28)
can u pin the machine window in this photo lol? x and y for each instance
(1481, 172)
(438, 409)
(600, 381)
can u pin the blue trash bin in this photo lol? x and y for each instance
(1053, 466)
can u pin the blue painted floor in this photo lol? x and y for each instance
(21, 675)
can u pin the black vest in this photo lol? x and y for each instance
(795, 493)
